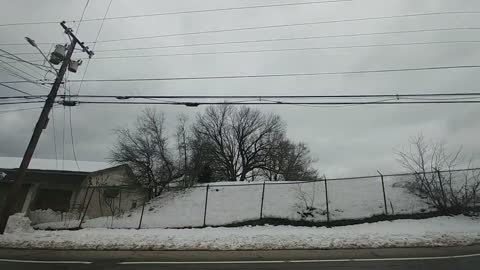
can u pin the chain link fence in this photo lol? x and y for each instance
(322, 202)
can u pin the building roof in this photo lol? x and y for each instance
(112, 168)
(47, 169)
(130, 179)
(50, 176)
(54, 165)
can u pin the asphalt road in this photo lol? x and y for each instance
(457, 258)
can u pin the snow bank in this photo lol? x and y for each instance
(46, 216)
(18, 223)
(439, 231)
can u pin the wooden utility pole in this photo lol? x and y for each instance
(39, 127)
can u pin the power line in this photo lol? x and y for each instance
(14, 82)
(29, 23)
(70, 125)
(280, 74)
(220, 9)
(436, 98)
(63, 138)
(295, 24)
(65, 89)
(23, 97)
(54, 137)
(21, 102)
(15, 89)
(290, 39)
(278, 26)
(390, 99)
(22, 63)
(177, 12)
(23, 43)
(26, 80)
(19, 70)
(267, 75)
(42, 67)
(94, 45)
(293, 49)
(15, 74)
(281, 39)
(395, 96)
(81, 17)
(462, 95)
(287, 49)
(19, 110)
(196, 104)
(72, 140)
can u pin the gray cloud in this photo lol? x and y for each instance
(346, 140)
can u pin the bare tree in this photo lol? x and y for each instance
(255, 134)
(107, 194)
(239, 139)
(435, 178)
(145, 148)
(224, 143)
(306, 205)
(203, 165)
(110, 195)
(289, 161)
(213, 130)
(182, 145)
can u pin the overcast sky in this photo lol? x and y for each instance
(353, 140)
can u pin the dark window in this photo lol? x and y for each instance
(55, 199)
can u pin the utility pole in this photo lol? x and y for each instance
(39, 127)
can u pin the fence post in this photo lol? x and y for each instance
(263, 196)
(119, 200)
(474, 198)
(141, 216)
(441, 188)
(83, 203)
(206, 204)
(86, 208)
(384, 195)
(326, 200)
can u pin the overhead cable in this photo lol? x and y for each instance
(282, 74)
(175, 12)
(288, 49)
(294, 24)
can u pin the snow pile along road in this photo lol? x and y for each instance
(439, 231)
(18, 223)
(46, 216)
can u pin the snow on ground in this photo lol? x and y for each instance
(52, 164)
(230, 202)
(46, 216)
(439, 231)
(18, 223)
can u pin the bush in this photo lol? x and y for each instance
(435, 178)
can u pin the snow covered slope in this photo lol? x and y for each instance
(232, 202)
